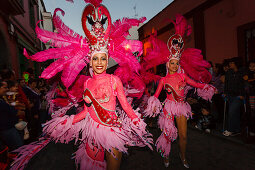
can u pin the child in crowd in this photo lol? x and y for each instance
(205, 120)
(12, 97)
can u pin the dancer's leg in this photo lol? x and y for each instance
(113, 163)
(182, 131)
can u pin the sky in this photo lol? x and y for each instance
(117, 8)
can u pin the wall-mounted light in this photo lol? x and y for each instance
(11, 29)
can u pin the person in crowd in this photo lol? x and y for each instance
(33, 96)
(251, 96)
(15, 99)
(9, 135)
(217, 105)
(225, 65)
(205, 118)
(234, 92)
(43, 89)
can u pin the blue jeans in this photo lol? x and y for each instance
(11, 138)
(234, 112)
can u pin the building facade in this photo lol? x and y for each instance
(221, 28)
(18, 19)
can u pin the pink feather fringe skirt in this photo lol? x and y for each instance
(96, 138)
(178, 108)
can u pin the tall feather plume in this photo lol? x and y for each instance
(118, 36)
(181, 26)
(52, 53)
(96, 3)
(53, 68)
(62, 28)
(55, 39)
(70, 1)
(157, 54)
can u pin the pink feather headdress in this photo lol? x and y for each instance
(191, 59)
(72, 52)
(175, 43)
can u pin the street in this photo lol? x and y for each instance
(204, 151)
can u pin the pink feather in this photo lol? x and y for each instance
(73, 67)
(96, 3)
(55, 39)
(62, 28)
(149, 77)
(195, 66)
(26, 152)
(157, 54)
(53, 69)
(70, 1)
(153, 108)
(181, 26)
(52, 53)
(78, 86)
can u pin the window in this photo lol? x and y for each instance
(250, 44)
(32, 14)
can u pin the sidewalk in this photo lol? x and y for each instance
(238, 139)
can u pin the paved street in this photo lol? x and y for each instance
(204, 151)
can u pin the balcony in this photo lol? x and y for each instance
(11, 7)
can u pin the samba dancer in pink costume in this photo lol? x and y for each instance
(98, 128)
(174, 82)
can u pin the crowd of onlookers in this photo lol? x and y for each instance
(232, 108)
(22, 108)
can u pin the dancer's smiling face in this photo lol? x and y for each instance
(173, 66)
(99, 63)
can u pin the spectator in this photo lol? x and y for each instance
(8, 118)
(234, 91)
(42, 87)
(8, 74)
(16, 101)
(251, 96)
(34, 97)
(205, 119)
(217, 104)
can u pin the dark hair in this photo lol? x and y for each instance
(220, 69)
(251, 61)
(11, 83)
(225, 62)
(30, 81)
(237, 61)
(6, 74)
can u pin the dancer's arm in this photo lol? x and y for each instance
(193, 83)
(83, 113)
(206, 91)
(80, 115)
(160, 86)
(122, 99)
